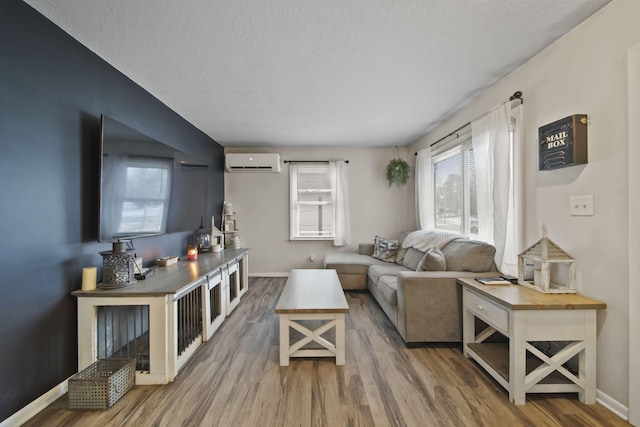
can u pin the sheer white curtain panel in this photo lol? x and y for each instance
(342, 216)
(498, 191)
(424, 190)
(514, 242)
(294, 217)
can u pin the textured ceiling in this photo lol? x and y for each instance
(316, 72)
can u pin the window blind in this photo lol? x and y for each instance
(454, 181)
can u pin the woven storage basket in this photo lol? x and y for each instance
(102, 384)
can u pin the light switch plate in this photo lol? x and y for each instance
(581, 205)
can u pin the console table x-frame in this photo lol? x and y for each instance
(317, 296)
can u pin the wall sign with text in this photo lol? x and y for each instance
(563, 143)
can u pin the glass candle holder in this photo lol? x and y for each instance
(192, 253)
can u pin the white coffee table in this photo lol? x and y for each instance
(312, 295)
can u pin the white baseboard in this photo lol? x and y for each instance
(33, 408)
(613, 405)
(286, 274)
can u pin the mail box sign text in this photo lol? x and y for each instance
(563, 143)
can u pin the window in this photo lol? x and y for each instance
(312, 201)
(455, 191)
(454, 180)
(473, 184)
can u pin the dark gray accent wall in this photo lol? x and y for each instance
(52, 92)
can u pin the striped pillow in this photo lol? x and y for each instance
(385, 249)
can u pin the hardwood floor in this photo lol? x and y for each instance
(235, 380)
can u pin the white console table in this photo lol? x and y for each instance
(525, 316)
(182, 306)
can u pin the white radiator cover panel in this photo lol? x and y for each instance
(252, 162)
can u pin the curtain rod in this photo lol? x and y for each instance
(314, 161)
(517, 95)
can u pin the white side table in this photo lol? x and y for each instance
(525, 316)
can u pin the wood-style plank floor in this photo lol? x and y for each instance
(235, 380)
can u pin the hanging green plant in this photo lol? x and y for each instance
(398, 172)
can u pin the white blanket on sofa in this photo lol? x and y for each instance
(425, 239)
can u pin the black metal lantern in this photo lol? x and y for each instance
(118, 267)
(202, 239)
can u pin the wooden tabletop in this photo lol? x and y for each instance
(518, 297)
(172, 279)
(312, 291)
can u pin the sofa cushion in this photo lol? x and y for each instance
(433, 260)
(377, 271)
(349, 262)
(402, 251)
(385, 249)
(469, 255)
(388, 285)
(413, 259)
(365, 249)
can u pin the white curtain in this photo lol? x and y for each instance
(294, 218)
(498, 192)
(342, 229)
(514, 243)
(483, 161)
(424, 190)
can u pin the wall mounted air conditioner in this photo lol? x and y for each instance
(252, 162)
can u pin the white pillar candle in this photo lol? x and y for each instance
(89, 278)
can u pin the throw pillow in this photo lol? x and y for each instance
(401, 251)
(469, 255)
(412, 259)
(385, 249)
(433, 261)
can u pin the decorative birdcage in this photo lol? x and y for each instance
(535, 267)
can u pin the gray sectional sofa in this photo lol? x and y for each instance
(413, 279)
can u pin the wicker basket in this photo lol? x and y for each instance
(102, 384)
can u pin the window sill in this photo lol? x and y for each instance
(307, 239)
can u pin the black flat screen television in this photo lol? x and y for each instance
(147, 187)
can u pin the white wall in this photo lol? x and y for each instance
(634, 233)
(583, 72)
(261, 201)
